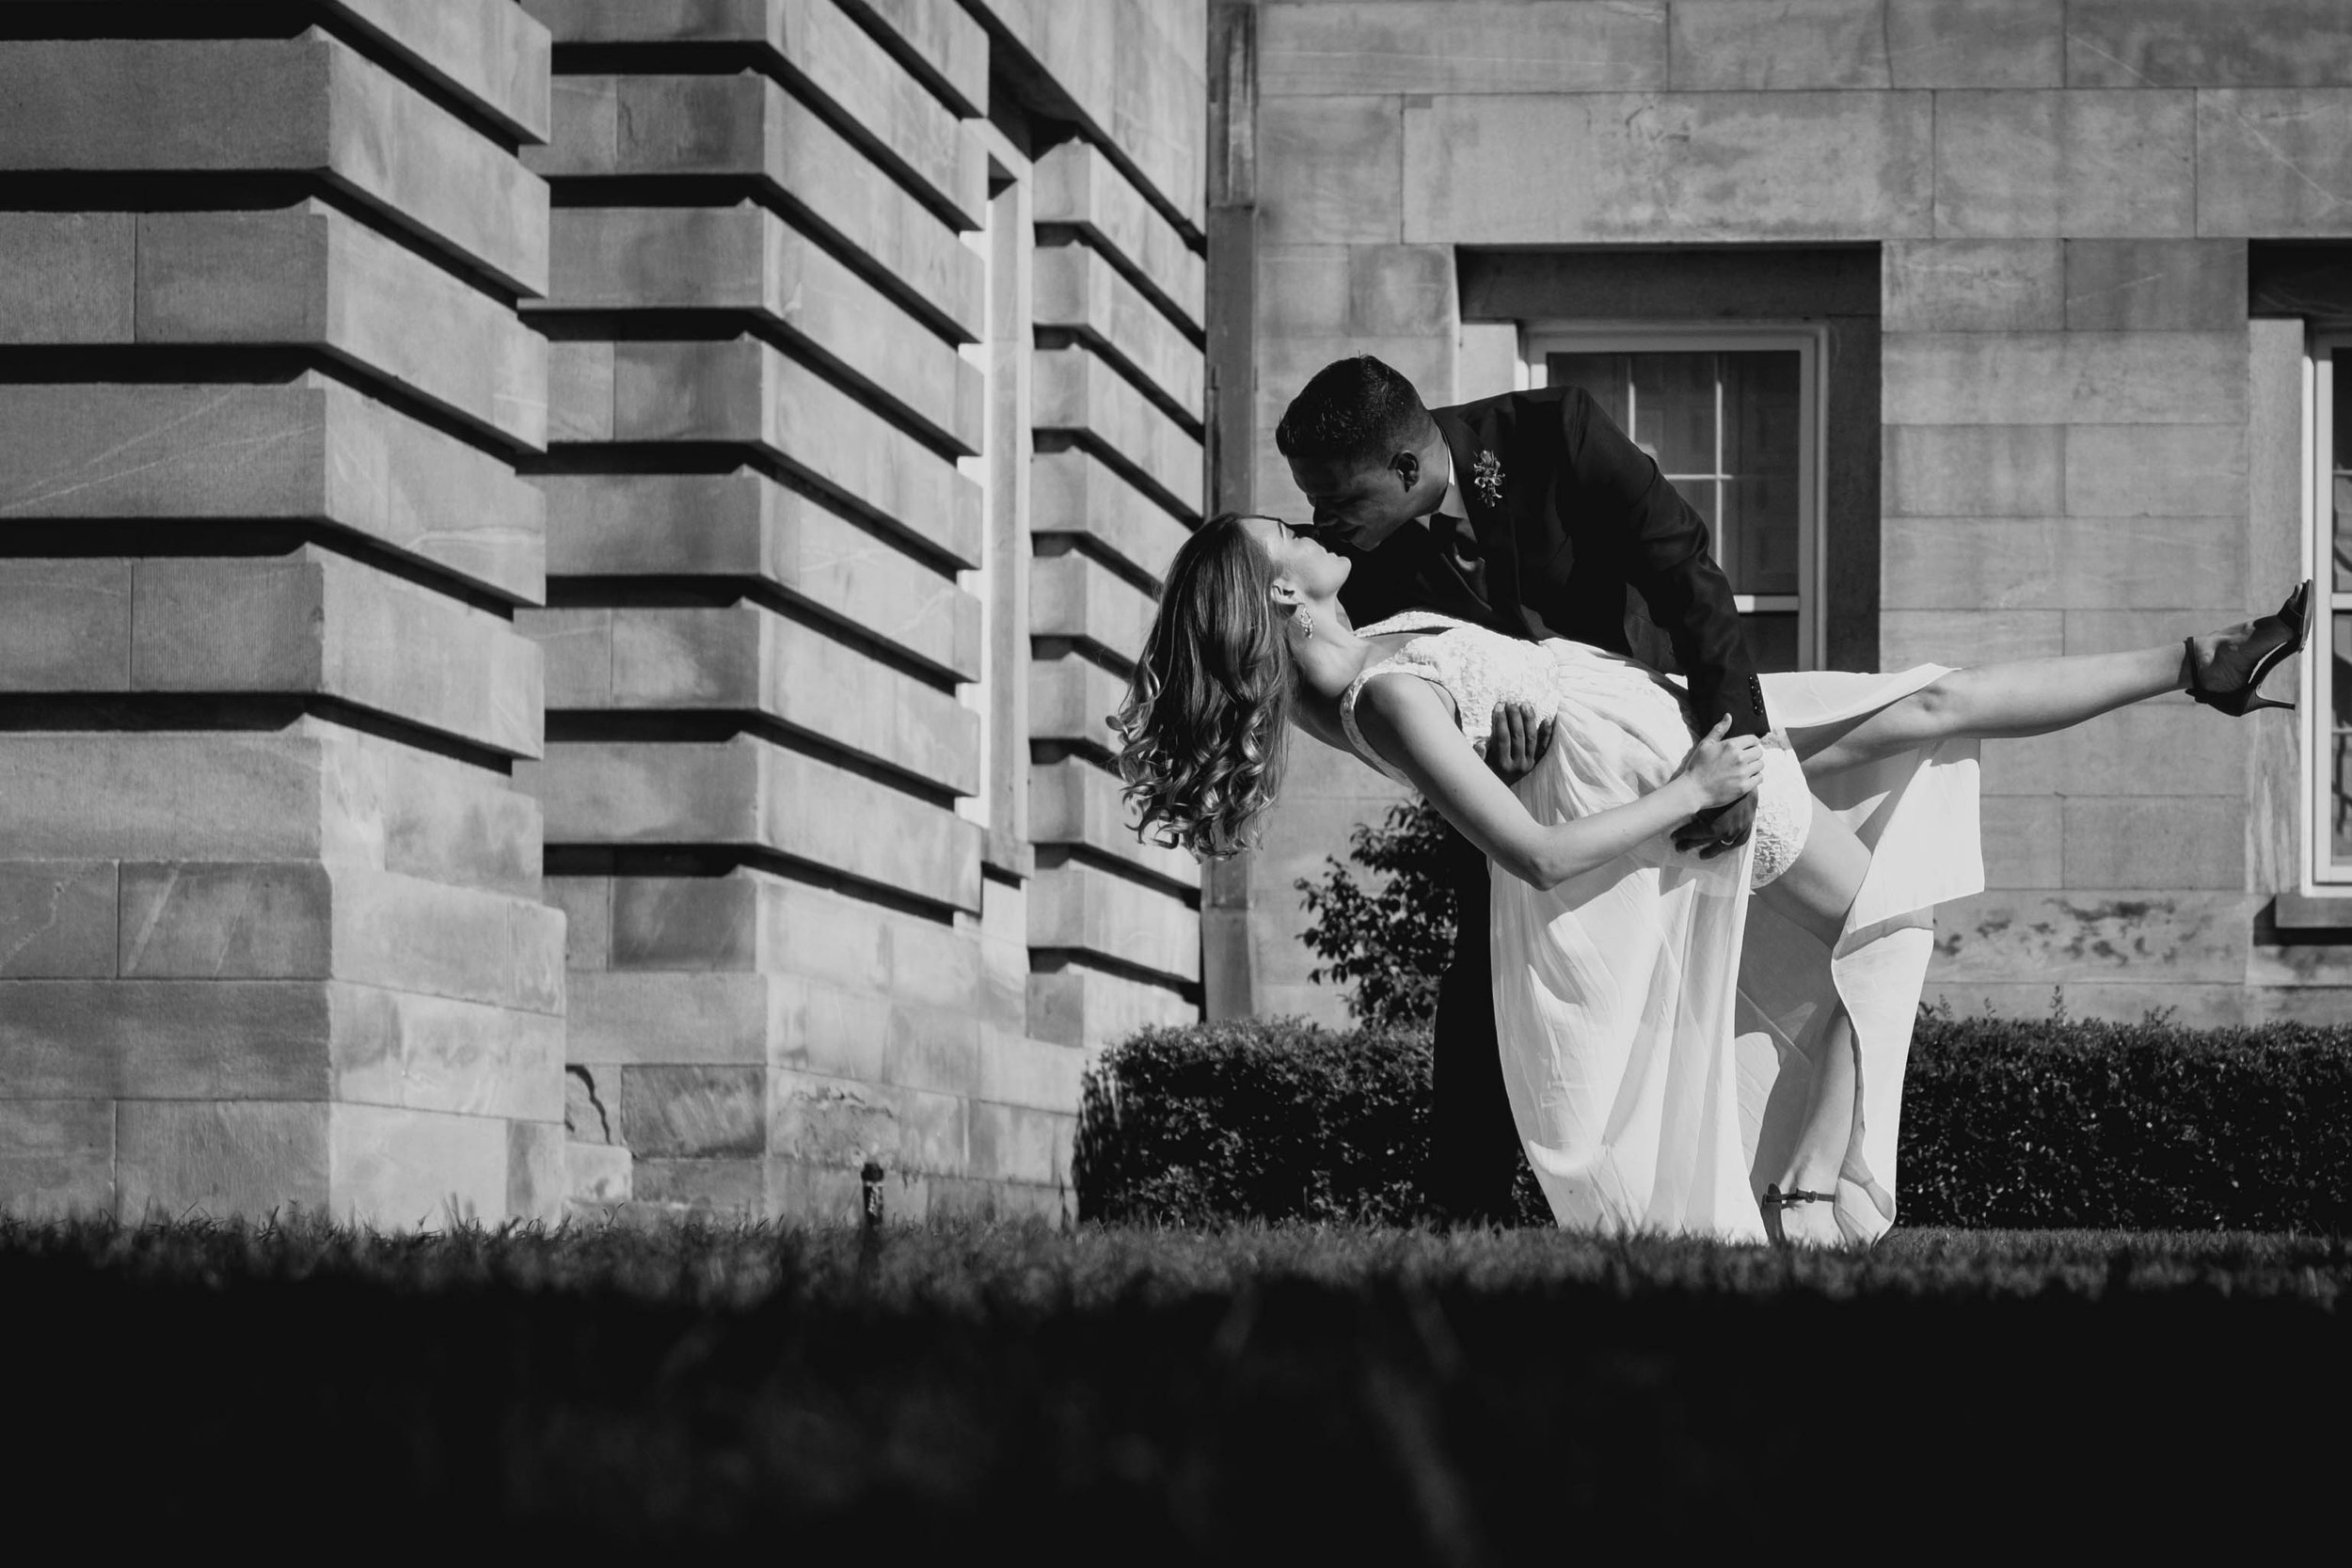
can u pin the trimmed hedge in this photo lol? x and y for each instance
(2006, 1123)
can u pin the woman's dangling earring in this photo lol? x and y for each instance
(1306, 624)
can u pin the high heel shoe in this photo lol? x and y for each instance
(2232, 680)
(1774, 1201)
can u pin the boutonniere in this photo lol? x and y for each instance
(1487, 474)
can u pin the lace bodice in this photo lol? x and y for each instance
(1478, 668)
(1620, 728)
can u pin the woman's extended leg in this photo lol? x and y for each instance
(2017, 697)
(1814, 894)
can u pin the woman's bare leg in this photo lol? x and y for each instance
(1816, 893)
(2017, 697)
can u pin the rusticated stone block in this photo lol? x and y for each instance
(266, 105)
(745, 258)
(65, 626)
(835, 1122)
(833, 1032)
(672, 1017)
(1131, 72)
(1073, 492)
(1078, 907)
(750, 793)
(1074, 393)
(538, 1174)
(1019, 1143)
(220, 1157)
(398, 1048)
(2023, 841)
(748, 658)
(310, 449)
(1074, 802)
(1963, 637)
(1072, 1004)
(1070, 702)
(2110, 756)
(2155, 285)
(274, 921)
(1976, 43)
(2155, 471)
(1974, 286)
(1733, 45)
(313, 791)
(2006, 378)
(1332, 170)
(57, 919)
(415, 1169)
(2060, 563)
(2069, 937)
(1015, 1070)
(1329, 50)
(716, 1189)
(493, 54)
(1079, 293)
(694, 1113)
(2271, 162)
(748, 126)
(1650, 168)
(56, 1158)
(2177, 844)
(1973, 470)
(743, 525)
(825, 56)
(743, 391)
(597, 1176)
(2020, 164)
(68, 279)
(1072, 596)
(318, 622)
(2182, 44)
(309, 277)
(939, 42)
(1079, 189)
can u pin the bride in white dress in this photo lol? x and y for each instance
(1681, 1056)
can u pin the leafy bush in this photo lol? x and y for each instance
(2005, 1123)
(1388, 944)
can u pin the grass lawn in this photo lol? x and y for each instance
(1127, 1395)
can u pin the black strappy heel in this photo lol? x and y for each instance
(1775, 1200)
(2232, 680)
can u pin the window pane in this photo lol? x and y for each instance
(2342, 489)
(1674, 410)
(1602, 374)
(1764, 415)
(1772, 641)
(2340, 757)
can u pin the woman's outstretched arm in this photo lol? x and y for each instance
(1404, 720)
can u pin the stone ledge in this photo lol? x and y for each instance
(825, 56)
(749, 659)
(310, 451)
(1072, 1004)
(1079, 188)
(488, 52)
(744, 126)
(1075, 394)
(1074, 802)
(745, 525)
(939, 43)
(1078, 292)
(1072, 596)
(1080, 908)
(297, 105)
(1075, 492)
(743, 392)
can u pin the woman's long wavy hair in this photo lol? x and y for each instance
(1206, 722)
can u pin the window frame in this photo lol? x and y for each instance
(2321, 874)
(1538, 338)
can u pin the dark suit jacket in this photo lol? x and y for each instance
(1580, 517)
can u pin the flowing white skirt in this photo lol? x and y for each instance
(1658, 1026)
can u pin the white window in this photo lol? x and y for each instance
(1733, 417)
(2328, 673)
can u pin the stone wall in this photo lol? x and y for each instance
(830, 373)
(2085, 443)
(274, 933)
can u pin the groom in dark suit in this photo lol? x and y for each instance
(1531, 513)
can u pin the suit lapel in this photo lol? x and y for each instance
(1489, 520)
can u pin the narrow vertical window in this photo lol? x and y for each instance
(2327, 676)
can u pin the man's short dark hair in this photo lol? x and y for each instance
(1355, 410)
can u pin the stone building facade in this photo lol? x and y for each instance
(562, 568)
(2056, 280)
